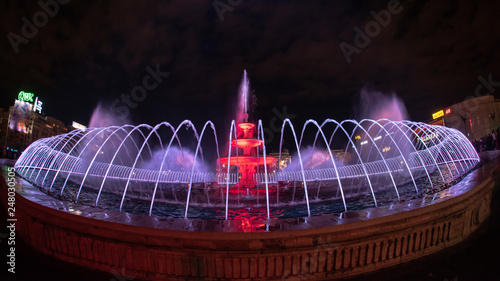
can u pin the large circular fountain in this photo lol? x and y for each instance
(179, 202)
(137, 169)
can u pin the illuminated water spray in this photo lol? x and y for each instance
(369, 160)
(243, 99)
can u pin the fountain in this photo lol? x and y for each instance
(111, 166)
(368, 176)
(249, 161)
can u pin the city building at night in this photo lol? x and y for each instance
(474, 117)
(285, 158)
(342, 156)
(23, 123)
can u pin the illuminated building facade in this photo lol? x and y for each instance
(342, 156)
(474, 117)
(24, 123)
(285, 159)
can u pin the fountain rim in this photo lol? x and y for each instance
(468, 186)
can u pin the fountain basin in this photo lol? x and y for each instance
(137, 163)
(242, 160)
(313, 248)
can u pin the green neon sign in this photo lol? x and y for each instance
(25, 96)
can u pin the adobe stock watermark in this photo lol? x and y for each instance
(485, 86)
(29, 30)
(225, 6)
(11, 220)
(120, 107)
(276, 122)
(372, 29)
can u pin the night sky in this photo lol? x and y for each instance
(429, 53)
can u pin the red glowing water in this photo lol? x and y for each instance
(250, 159)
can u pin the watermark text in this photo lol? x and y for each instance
(225, 6)
(372, 29)
(11, 220)
(29, 30)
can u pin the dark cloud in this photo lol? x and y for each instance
(430, 54)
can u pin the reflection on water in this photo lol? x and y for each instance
(250, 204)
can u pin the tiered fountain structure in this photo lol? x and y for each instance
(251, 158)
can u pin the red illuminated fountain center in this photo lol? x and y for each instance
(252, 156)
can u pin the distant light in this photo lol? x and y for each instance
(37, 106)
(364, 142)
(28, 97)
(25, 96)
(429, 137)
(377, 138)
(77, 125)
(358, 137)
(447, 111)
(438, 114)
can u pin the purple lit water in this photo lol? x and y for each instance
(247, 209)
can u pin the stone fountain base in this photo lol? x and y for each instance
(316, 248)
